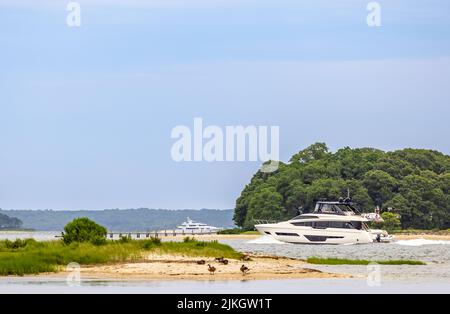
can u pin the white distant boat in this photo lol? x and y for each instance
(190, 226)
(330, 223)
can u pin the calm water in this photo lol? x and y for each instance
(40, 236)
(31, 285)
(437, 253)
(432, 278)
(437, 257)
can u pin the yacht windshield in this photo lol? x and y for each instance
(336, 209)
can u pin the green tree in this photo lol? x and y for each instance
(380, 186)
(316, 151)
(354, 163)
(84, 230)
(415, 183)
(391, 221)
(395, 167)
(7, 222)
(265, 203)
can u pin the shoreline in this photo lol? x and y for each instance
(211, 237)
(163, 267)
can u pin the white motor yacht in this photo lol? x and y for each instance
(191, 226)
(330, 223)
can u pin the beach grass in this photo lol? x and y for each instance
(32, 257)
(192, 247)
(340, 261)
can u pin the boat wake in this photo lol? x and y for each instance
(266, 239)
(420, 242)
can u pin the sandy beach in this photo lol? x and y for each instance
(174, 267)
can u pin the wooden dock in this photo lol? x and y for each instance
(112, 235)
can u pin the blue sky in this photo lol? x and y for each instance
(86, 113)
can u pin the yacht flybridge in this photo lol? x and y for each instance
(330, 223)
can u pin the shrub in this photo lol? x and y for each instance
(231, 231)
(124, 239)
(14, 245)
(155, 240)
(189, 239)
(84, 230)
(201, 244)
(152, 242)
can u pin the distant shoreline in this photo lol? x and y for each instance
(19, 230)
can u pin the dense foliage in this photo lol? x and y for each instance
(7, 222)
(391, 221)
(413, 183)
(83, 230)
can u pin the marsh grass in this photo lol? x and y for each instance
(191, 247)
(339, 261)
(32, 257)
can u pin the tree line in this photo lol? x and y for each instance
(413, 183)
(7, 222)
(141, 219)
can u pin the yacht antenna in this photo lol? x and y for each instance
(348, 199)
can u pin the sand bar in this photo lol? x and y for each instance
(174, 267)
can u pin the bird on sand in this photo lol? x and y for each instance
(244, 270)
(221, 260)
(245, 258)
(211, 269)
(201, 262)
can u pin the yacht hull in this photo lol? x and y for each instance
(306, 235)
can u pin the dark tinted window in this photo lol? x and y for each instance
(342, 225)
(329, 224)
(338, 224)
(336, 209)
(329, 209)
(303, 224)
(357, 225)
(321, 224)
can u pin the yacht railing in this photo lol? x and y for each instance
(264, 221)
